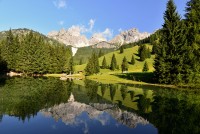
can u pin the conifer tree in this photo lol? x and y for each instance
(113, 64)
(145, 67)
(142, 51)
(93, 65)
(104, 63)
(121, 49)
(71, 65)
(168, 61)
(192, 57)
(8, 50)
(148, 53)
(96, 64)
(124, 65)
(133, 60)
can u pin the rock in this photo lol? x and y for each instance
(73, 37)
(104, 44)
(70, 37)
(129, 36)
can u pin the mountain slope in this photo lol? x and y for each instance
(128, 53)
(24, 31)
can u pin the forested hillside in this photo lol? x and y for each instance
(33, 53)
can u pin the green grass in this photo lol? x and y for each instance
(128, 53)
(134, 72)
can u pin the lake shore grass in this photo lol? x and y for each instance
(135, 78)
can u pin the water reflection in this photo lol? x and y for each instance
(93, 107)
(69, 112)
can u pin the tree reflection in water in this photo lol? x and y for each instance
(169, 110)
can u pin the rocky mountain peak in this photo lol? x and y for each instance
(73, 37)
(129, 36)
(70, 37)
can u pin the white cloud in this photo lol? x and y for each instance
(60, 4)
(61, 23)
(120, 30)
(91, 24)
(77, 30)
(105, 35)
(108, 33)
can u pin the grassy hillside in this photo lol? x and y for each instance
(128, 53)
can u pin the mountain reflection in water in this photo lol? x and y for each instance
(49, 105)
(69, 111)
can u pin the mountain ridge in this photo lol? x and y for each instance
(76, 39)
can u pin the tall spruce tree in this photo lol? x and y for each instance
(121, 50)
(145, 67)
(133, 60)
(92, 66)
(8, 50)
(113, 64)
(169, 56)
(104, 63)
(192, 57)
(148, 53)
(71, 65)
(143, 52)
(124, 65)
(96, 65)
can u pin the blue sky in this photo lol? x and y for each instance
(90, 16)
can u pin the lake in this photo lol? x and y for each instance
(51, 106)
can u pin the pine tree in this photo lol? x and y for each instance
(121, 49)
(9, 50)
(89, 67)
(133, 60)
(96, 64)
(71, 65)
(145, 67)
(142, 51)
(192, 57)
(168, 60)
(148, 53)
(104, 63)
(124, 65)
(113, 64)
(93, 65)
(143, 55)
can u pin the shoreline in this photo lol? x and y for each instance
(112, 79)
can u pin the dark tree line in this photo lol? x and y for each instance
(178, 46)
(33, 54)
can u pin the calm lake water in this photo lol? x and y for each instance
(52, 106)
